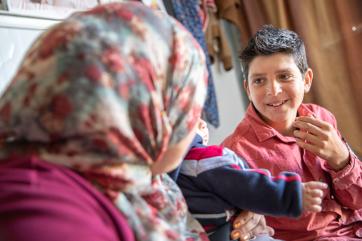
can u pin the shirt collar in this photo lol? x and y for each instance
(304, 111)
(262, 130)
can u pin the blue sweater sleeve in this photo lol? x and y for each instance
(255, 190)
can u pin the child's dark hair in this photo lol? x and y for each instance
(270, 40)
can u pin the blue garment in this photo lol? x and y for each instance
(186, 13)
(217, 184)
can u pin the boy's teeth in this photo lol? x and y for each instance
(277, 104)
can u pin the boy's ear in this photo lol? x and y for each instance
(246, 87)
(308, 79)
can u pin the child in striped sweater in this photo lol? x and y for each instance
(217, 185)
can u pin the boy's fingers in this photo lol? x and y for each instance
(312, 120)
(307, 127)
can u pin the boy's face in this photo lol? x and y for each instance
(203, 131)
(276, 87)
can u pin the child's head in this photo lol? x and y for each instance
(277, 75)
(270, 40)
(203, 131)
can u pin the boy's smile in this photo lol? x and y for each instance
(277, 104)
(276, 88)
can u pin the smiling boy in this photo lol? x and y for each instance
(280, 133)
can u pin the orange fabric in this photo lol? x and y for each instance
(217, 43)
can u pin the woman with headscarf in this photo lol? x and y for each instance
(101, 107)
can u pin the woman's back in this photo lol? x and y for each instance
(44, 201)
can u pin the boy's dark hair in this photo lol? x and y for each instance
(270, 40)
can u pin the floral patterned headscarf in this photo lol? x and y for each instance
(105, 93)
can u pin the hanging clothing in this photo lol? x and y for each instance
(169, 8)
(230, 10)
(187, 13)
(217, 43)
(105, 93)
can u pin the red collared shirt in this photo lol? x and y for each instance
(264, 147)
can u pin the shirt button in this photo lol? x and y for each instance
(359, 233)
(332, 197)
(339, 219)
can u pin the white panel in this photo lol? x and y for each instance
(230, 103)
(16, 35)
(47, 9)
(11, 20)
(231, 98)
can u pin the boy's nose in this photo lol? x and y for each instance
(274, 88)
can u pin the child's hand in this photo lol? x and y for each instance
(313, 195)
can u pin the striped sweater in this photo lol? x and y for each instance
(217, 184)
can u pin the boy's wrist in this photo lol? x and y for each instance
(341, 163)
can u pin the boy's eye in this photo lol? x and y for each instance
(284, 76)
(257, 81)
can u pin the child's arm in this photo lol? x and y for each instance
(257, 191)
(219, 181)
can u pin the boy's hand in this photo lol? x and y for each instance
(313, 195)
(322, 139)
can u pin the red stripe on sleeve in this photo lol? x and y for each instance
(199, 153)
